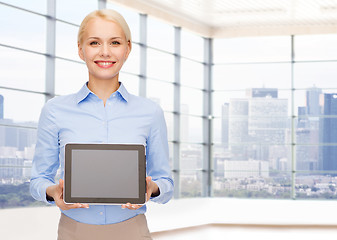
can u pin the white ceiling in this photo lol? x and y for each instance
(234, 18)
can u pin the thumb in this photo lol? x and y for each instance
(148, 179)
(61, 183)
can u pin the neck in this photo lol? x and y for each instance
(103, 88)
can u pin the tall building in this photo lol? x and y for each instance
(238, 128)
(312, 101)
(262, 93)
(307, 132)
(329, 132)
(1, 107)
(267, 126)
(224, 124)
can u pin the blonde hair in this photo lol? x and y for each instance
(106, 14)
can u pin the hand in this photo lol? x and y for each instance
(56, 192)
(151, 189)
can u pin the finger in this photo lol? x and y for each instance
(61, 183)
(148, 180)
(65, 206)
(131, 206)
(148, 188)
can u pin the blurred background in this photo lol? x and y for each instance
(249, 91)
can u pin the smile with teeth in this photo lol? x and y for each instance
(105, 63)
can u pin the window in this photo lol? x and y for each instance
(20, 27)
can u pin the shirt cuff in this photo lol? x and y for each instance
(165, 191)
(43, 192)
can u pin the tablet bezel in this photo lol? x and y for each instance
(99, 200)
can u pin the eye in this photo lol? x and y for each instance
(115, 43)
(93, 43)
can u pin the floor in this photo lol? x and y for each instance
(249, 232)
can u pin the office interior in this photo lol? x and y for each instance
(249, 94)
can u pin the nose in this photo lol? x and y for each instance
(105, 51)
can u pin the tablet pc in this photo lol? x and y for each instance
(104, 173)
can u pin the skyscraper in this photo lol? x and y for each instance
(1, 107)
(224, 124)
(262, 93)
(267, 126)
(329, 132)
(238, 128)
(307, 132)
(312, 101)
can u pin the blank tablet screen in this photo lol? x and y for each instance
(104, 173)
(102, 179)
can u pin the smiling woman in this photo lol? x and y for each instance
(103, 111)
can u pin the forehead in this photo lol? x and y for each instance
(102, 28)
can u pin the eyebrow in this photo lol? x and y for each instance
(113, 38)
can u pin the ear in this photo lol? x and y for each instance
(80, 51)
(128, 51)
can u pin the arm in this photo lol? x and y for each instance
(46, 163)
(159, 182)
(46, 159)
(158, 158)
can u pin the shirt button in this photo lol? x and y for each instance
(101, 213)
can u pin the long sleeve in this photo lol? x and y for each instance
(46, 159)
(158, 158)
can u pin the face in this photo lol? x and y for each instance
(104, 49)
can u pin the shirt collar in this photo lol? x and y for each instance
(123, 92)
(84, 92)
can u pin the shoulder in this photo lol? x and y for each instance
(61, 100)
(144, 103)
(58, 103)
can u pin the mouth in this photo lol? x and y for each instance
(105, 64)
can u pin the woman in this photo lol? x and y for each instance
(102, 111)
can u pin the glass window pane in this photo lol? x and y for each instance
(160, 65)
(17, 144)
(317, 74)
(220, 131)
(316, 47)
(69, 76)
(130, 16)
(132, 64)
(316, 185)
(156, 39)
(308, 158)
(191, 156)
(190, 184)
(252, 49)
(16, 193)
(23, 29)
(191, 129)
(169, 125)
(66, 41)
(234, 77)
(251, 184)
(75, 10)
(39, 6)
(192, 46)
(22, 106)
(160, 92)
(221, 99)
(130, 82)
(192, 74)
(191, 101)
(170, 144)
(32, 70)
